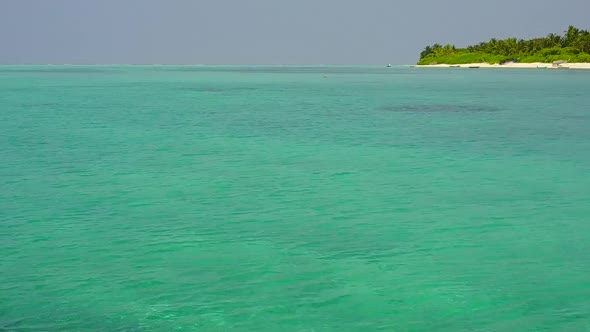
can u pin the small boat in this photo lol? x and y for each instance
(389, 65)
(455, 66)
(473, 67)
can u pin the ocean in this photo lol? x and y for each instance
(294, 198)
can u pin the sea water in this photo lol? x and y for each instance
(219, 198)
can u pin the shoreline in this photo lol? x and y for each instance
(534, 65)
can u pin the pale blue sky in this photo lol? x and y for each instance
(265, 31)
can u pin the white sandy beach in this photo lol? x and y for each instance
(535, 65)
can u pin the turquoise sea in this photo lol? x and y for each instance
(285, 198)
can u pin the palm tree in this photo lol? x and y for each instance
(571, 35)
(510, 46)
(449, 49)
(523, 46)
(582, 42)
(537, 44)
(492, 46)
(554, 40)
(427, 51)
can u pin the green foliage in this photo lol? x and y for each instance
(462, 57)
(581, 57)
(573, 46)
(532, 58)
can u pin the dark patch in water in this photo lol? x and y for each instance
(439, 108)
(214, 89)
(343, 173)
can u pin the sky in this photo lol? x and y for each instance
(265, 31)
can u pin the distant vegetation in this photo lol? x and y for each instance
(573, 46)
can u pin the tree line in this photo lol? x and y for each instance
(573, 46)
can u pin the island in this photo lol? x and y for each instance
(572, 50)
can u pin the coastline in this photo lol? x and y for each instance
(514, 65)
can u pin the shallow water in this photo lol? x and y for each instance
(198, 198)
